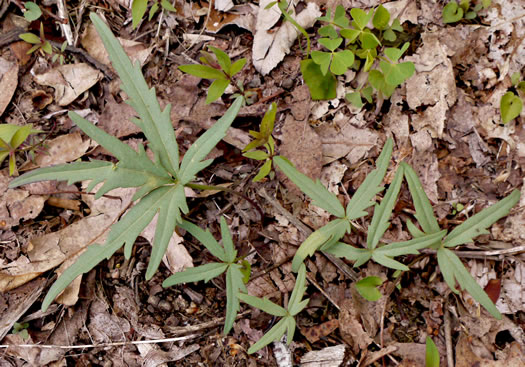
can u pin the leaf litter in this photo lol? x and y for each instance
(445, 121)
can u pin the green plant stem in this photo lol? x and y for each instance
(226, 189)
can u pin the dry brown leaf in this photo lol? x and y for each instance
(352, 330)
(116, 118)
(326, 357)
(269, 48)
(62, 149)
(314, 333)
(465, 357)
(302, 146)
(8, 82)
(69, 81)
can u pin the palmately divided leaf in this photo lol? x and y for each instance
(477, 224)
(319, 194)
(382, 212)
(364, 196)
(424, 212)
(155, 123)
(169, 214)
(204, 272)
(332, 231)
(193, 162)
(206, 238)
(453, 269)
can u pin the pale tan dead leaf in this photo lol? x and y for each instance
(343, 139)
(65, 148)
(105, 327)
(243, 16)
(412, 352)
(426, 166)
(302, 146)
(352, 330)
(223, 5)
(465, 357)
(116, 118)
(69, 81)
(432, 85)
(17, 204)
(52, 249)
(92, 42)
(404, 10)
(269, 48)
(326, 357)
(8, 82)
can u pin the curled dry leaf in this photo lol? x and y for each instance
(8, 82)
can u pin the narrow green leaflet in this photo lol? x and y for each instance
(275, 334)
(383, 255)
(204, 237)
(477, 224)
(193, 162)
(298, 291)
(202, 71)
(204, 272)
(227, 242)
(169, 214)
(332, 231)
(364, 196)
(424, 212)
(340, 249)
(263, 304)
(216, 89)
(319, 194)
(382, 212)
(155, 123)
(234, 285)
(453, 269)
(431, 353)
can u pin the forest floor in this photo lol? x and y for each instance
(444, 120)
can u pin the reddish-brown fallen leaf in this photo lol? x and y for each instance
(315, 333)
(493, 289)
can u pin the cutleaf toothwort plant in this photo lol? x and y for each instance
(160, 183)
(327, 238)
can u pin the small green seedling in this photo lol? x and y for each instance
(40, 43)
(511, 104)
(431, 353)
(33, 11)
(287, 323)
(12, 138)
(367, 288)
(449, 263)
(160, 182)
(220, 68)
(139, 7)
(21, 329)
(454, 12)
(60, 56)
(263, 138)
(237, 270)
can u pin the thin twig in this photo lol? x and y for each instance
(448, 339)
(102, 345)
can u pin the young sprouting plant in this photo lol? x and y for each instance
(220, 68)
(352, 44)
(449, 263)
(139, 7)
(263, 138)
(367, 288)
(160, 183)
(40, 43)
(287, 323)
(21, 329)
(237, 270)
(511, 103)
(431, 353)
(32, 12)
(12, 138)
(454, 12)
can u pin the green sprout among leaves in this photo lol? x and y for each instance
(33, 11)
(367, 288)
(287, 323)
(431, 353)
(11, 139)
(139, 7)
(263, 138)
(21, 329)
(454, 12)
(221, 69)
(160, 183)
(236, 274)
(511, 103)
(40, 43)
